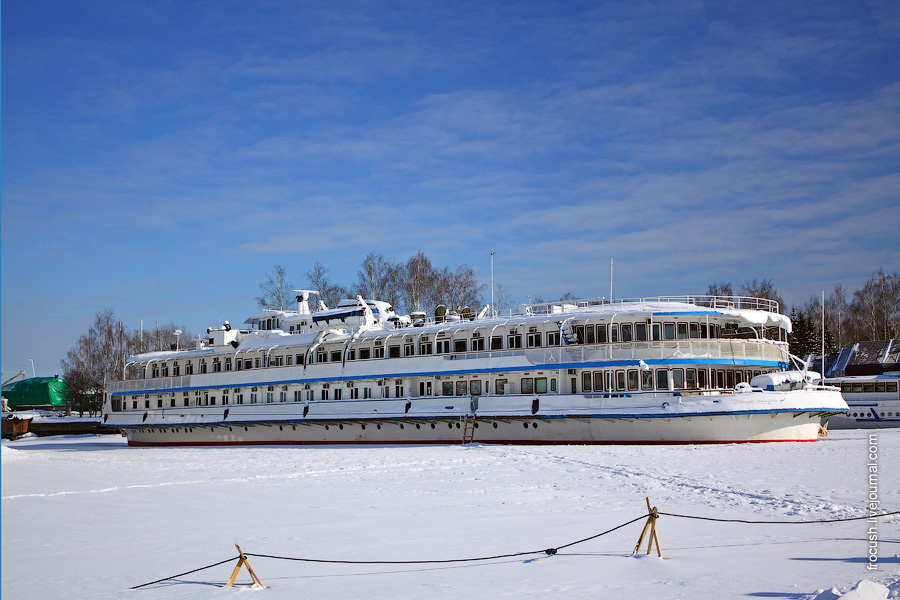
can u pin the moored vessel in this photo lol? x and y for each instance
(679, 369)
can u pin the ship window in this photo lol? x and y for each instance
(669, 331)
(393, 351)
(424, 388)
(579, 334)
(477, 344)
(588, 334)
(620, 380)
(462, 388)
(534, 340)
(496, 342)
(514, 342)
(379, 352)
(586, 381)
(640, 332)
(409, 349)
(442, 347)
(690, 378)
(868, 387)
(325, 394)
(165, 370)
(678, 377)
(891, 387)
(172, 402)
(553, 338)
(475, 387)
(729, 379)
(682, 331)
(632, 379)
(720, 378)
(701, 379)
(552, 384)
(540, 385)
(256, 362)
(601, 334)
(248, 364)
(500, 387)
(279, 361)
(338, 392)
(527, 384)
(655, 332)
(613, 333)
(365, 353)
(598, 381)
(662, 379)
(288, 360)
(228, 363)
(857, 388)
(398, 388)
(447, 388)
(695, 331)
(253, 397)
(626, 329)
(879, 387)
(425, 348)
(335, 356)
(646, 380)
(459, 345)
(321, 356)
(704, 333)
(202, 366)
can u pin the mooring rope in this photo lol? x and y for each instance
(547, 551)
(887, 514)
(221, 562)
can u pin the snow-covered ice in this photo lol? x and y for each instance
(87, 516)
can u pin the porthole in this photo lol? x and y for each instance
(418, 426)
(450, 425)
(280, 428)
(457, 426)
(476, 425)
(534, 425)
(294, 427)
(401, 425)
(378, 426)
(495, 426)
(229, 429)
(326, 428)
(363, 425)
(882, 414)
(341, 426)
(432, 425)
(245, 429)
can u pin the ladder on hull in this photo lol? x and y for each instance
(468, 429)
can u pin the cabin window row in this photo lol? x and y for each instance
(869, 387)
(632, 380)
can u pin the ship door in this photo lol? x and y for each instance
(424, 388)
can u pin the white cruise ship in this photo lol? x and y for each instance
(687, 369)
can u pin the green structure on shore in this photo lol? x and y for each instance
(36, 392)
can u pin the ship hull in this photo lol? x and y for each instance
(563, 419)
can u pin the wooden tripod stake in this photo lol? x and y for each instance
(653, 514)
(241, 563)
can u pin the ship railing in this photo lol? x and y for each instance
(749, 350)
(645, 303)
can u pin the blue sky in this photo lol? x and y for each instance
(159, 157)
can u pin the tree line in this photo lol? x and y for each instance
(99, 356)
(410, 286)
(869, 313)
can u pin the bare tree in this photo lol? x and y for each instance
(329, 293)
(418, 282)
(875, 310)
(376, 278)
(761, 289)
(719, 289)
(276, 289)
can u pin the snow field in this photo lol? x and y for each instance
(86, 516)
